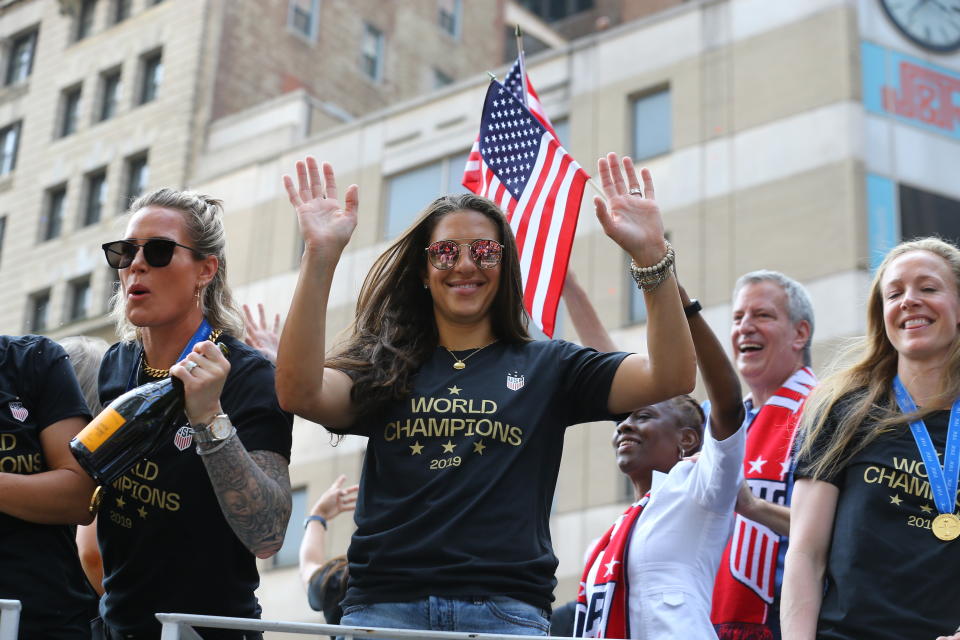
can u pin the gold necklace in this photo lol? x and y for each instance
(461, 363)
(153, 372)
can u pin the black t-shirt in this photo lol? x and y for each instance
(38, 562)
(888, 576)
(165, 543)
(458, 479)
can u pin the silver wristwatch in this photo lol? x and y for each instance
(217, 430)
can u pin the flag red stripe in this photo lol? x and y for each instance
(521, 232)
(545, 220)
(564, 247)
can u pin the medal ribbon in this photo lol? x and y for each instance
(202, 333)
(943, 480)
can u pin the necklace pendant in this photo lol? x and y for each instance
(459, 364)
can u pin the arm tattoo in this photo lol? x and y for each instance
(253, 490)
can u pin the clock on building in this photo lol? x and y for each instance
(932, 24)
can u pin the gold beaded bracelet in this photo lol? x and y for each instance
(649, 278)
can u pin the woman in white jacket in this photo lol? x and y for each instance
(670, 540)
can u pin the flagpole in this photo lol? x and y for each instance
(523, 67)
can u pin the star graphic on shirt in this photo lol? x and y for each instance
(610, 566)
(756, 466)
(784, 468)
(926, 508)
(142, 512)
(416, 448)
(454, 390)
(478, 447)
(449, 447)
(120, 502)
(895, 499)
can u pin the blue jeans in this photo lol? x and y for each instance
(482, 614)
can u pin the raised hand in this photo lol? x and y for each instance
(260, 335)
(326, 225)
(336, 500)
(630, 216)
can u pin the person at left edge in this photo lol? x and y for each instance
(465, 415)
(42, 490)
(180, 531)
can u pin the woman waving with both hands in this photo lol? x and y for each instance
(465, 414)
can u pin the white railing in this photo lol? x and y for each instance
(179, 626)
(9, 619)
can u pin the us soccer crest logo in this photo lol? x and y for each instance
(515, 381)
(19, 411)
(183, 438)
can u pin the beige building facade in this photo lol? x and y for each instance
(768, 135)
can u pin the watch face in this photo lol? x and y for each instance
(932, 24)
(220, 427)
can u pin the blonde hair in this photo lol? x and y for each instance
(203, 219)
(868, 406)
(85, 355)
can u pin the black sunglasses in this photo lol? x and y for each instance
(157, 252)
(444, 254)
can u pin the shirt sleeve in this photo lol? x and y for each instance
(587, 376)
(254, 410)
(52, 385)
(803, 469)
(719, 471)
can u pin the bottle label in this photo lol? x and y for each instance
(102, 427)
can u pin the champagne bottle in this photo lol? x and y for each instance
(129, 429)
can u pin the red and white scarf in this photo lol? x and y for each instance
(607, 614)
(746, 582)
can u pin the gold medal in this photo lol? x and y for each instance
(946, 526)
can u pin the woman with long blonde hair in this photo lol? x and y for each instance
(875, 503)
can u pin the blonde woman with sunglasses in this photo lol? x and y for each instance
(181, 530)
(465, 415)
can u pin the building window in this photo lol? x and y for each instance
(289, 554)
(109, 94)
(84, 24)
(652, 134)
(9, 141)
(923, 213)
(38, 311)
(557, 9)
(138, 173)
(20, 63)
(637, 307)
(448, 16)
(54, 206)
(79, 300)
(371, 52)
(121, 10)
(69, 110)
(408, 191)
(440, 79)
(96, 196)
(303, 17)
(151, 75)
(3, 231)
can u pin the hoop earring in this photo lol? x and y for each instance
(196, 294)
(683, 454)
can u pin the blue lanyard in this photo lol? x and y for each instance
(202, 333)
(943, 480)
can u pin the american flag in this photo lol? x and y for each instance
(539, 186)
(514, 81)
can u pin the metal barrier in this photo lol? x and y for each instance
(9, 619)
(179, 626)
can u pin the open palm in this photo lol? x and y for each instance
(326, 225)
(630, 216)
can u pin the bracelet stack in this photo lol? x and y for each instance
(649, 278)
